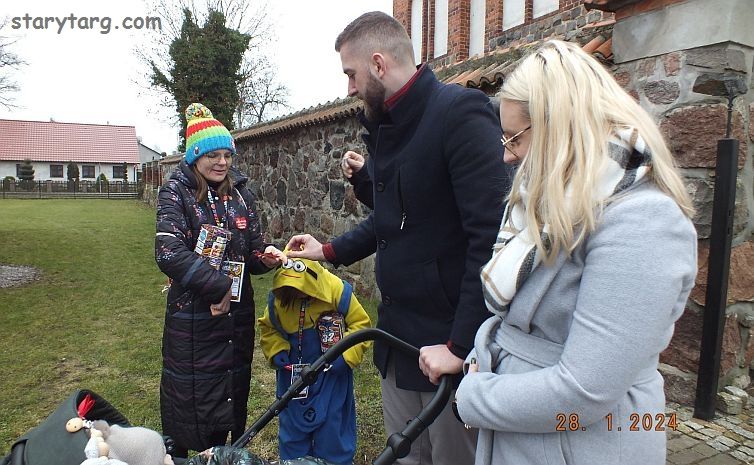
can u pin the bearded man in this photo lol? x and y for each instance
(438, 185)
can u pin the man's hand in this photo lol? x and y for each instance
(435, 361)
(222, 307)
(305, 246)
(351, 163)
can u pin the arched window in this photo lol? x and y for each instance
(441, 27)
(476, 27)
(416, 29)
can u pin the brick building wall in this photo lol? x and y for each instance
(570, 16)
(402, 13)
(493, 21)
(459, 17)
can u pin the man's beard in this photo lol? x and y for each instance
(374, 99)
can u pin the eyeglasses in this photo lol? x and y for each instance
(216, 156)
(507, 143)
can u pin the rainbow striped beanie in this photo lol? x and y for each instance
(204, 133)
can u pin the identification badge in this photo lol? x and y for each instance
(235, 271)
(296, 369)
(241, 222)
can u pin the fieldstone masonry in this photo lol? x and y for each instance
(300, 188)
(693, 123)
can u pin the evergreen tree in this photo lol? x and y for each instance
(73, 176)
(101, 183)
(125, 177)
(72, 171)
(205, 67)
(26, 174)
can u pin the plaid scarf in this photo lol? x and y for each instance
(515, 255)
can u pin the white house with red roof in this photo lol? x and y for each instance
(50, 145)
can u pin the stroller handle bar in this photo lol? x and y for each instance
(398, 444)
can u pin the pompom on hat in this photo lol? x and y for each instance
(204, 133)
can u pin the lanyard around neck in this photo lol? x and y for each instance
(301, 315)
(211, 196)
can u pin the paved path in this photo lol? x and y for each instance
(726, 440)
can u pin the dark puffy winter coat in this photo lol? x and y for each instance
(438, 186)
(206, 360)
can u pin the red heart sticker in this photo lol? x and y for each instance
(241, 222)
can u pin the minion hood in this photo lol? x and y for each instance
(308, 276)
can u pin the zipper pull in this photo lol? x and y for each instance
(403, 220)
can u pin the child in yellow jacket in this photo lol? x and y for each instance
(308, 309)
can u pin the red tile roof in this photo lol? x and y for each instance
(330, 111)
(62, 142)
(491, 68)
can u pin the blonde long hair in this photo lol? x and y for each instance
(573, 104)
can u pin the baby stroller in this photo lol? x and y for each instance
(50, 443)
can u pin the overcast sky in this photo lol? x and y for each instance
(87, 76)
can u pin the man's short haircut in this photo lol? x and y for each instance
(378, 32)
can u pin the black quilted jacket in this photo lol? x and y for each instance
(206, 360)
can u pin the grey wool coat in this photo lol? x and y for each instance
(569, 374)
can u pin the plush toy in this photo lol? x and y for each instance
(117, 445)
(96, 450)
(134, 445)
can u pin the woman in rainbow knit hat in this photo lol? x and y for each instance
(208, 340)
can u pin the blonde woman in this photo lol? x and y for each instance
(592, 267)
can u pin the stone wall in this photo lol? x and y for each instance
(693, 123)
(300, 188)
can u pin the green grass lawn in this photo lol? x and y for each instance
(94, 320)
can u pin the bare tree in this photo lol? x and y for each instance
(261, 95)
(9, 63)
(258, 74)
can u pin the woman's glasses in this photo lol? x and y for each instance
(217, 156)
(508, 143)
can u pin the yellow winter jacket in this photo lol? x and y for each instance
(324, 290)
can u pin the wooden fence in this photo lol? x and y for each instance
(152, 174)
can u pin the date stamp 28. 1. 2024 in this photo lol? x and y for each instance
(636, 422)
